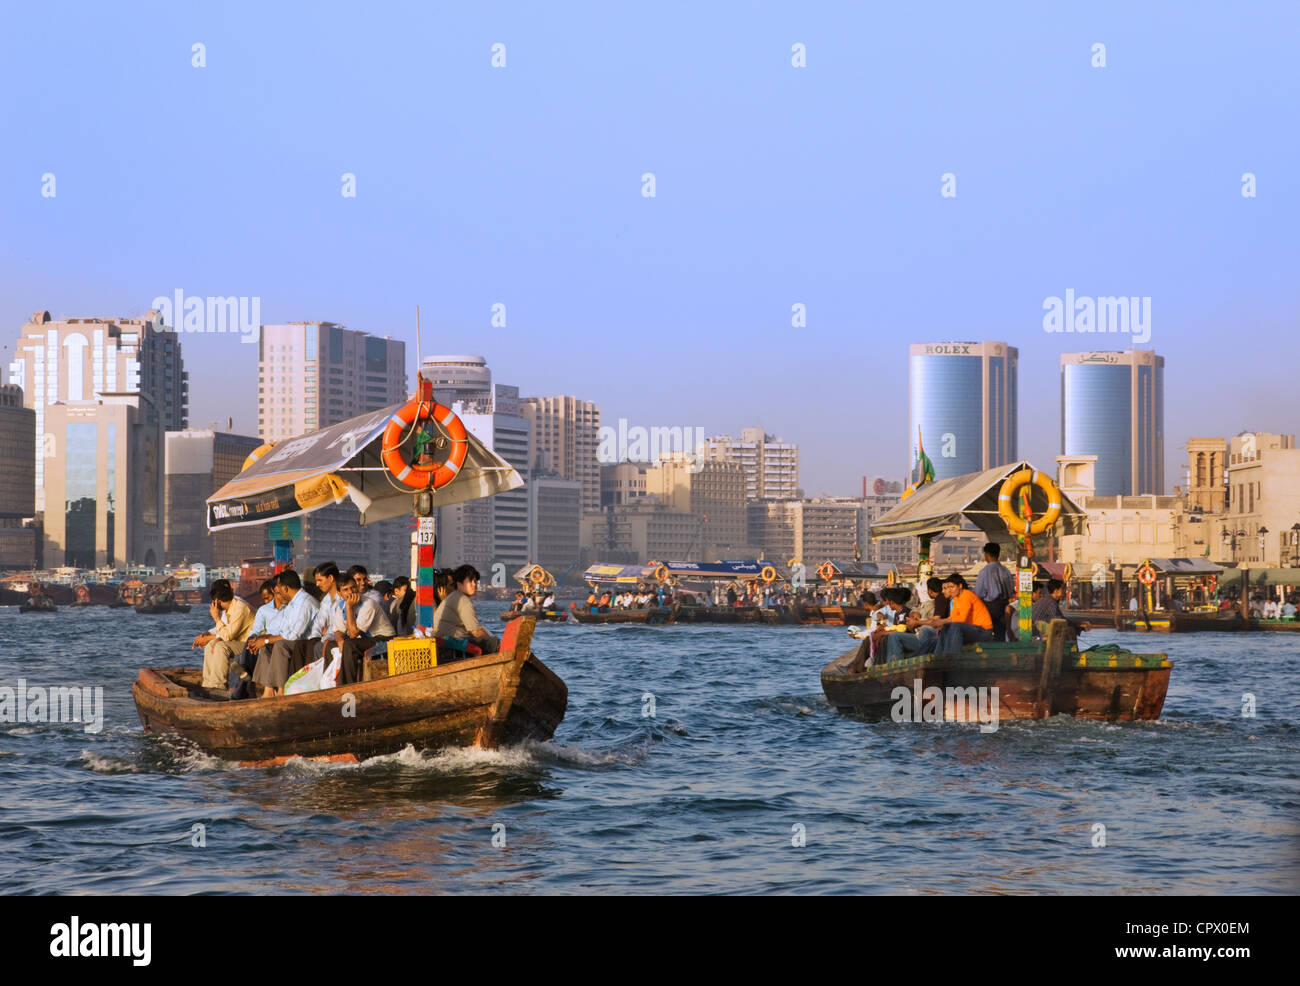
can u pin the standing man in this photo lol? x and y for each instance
(232, 622)
(455, 617)
(285, 651)
(996, 589)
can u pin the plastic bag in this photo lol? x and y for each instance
(329, 678)
(306, 679)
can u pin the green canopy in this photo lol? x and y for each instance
(1261, 576)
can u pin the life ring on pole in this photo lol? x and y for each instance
(419, 477)
(826, 571)
(768, 573)
(537, 576)
(1147, 575)
(661, 573)
(256, 454)
(1017, 525)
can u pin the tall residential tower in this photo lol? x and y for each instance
(1113, 407)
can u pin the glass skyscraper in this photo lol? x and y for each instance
(962, 396)
(1113, 407)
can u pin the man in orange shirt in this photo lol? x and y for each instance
(968, 622)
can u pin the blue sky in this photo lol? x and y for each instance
(775, 185)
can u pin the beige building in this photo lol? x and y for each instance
(622, 483)
(78, 360)
(565, 440)
(812, 531)
(1122, 530)
(770, 465)
(641, 531)
(1263, 476)
(1207, 478)
(713, 490)
(555, 505)
(103, 483)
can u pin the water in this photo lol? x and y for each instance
(703, 797)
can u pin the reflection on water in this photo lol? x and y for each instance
(741, 760)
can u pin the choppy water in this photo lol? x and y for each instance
(705, 796)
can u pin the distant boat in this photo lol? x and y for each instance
(650, 616)
(38, 604)
(161, 606)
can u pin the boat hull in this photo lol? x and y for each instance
(644, 617)
(482, 701)
(1113, 687)
(839, 616)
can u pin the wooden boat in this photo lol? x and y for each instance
(1034, 680)
(163, 606)
(652, 616)
(839, 616)
(545, 616)
(1276, 626)
(1188, 623)
(719, 614)
(480, 701)
(45, 605)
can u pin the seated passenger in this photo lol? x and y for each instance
(1047, 607)
(286, 650)
(232, 622)
(548, 601)
(969, 623)
(604, 601)
(365, 624)
(912, 641)
(455, 618)
(593, 601)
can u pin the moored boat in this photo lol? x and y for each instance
(1034, 680)
(38, 604)
(651, 616)
(161, 607)
(482, 701)
(544, 616)
(832, 615)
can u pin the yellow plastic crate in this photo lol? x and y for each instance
(407, 654)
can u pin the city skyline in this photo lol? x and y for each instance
(800, 234)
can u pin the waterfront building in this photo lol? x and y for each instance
(75, 360)
(812, 530)
(198, 463)
(1113, 406)
(962, 398)
(103, 482)
(770, 465)
(713, 490)
(621, 482)
(891, 551)
(1122, 530)
(555, 504)
(1207, 478)
(494, 534)
(641, 530)
(1263, 475)
(315, 374)
(566, 434)
(17, 479)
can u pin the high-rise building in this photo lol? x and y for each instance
(962, 398)
(17, 479)
(565, 441)
(496, 530)
(1113, 406)
(198, 463)
(639, 531)
(315, 374)
(85, 359)
(555, 504)
(770, 465)
(811, 530)
(621, 482)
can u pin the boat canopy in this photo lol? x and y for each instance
(941, 506)
(525, 574)
(1259, 577)
(730, 570)
(858, 570)
(343, 462)
(1185, 566)
(604, 572)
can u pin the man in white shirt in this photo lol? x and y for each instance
(1133, 605)
(365, 624)
(331, 617)
(1270, 609)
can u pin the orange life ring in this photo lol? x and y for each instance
(424, 477)
(256, 454)
(826, 570)
(1147, 575)
(538, 575)
(768, 573)
(661, 573)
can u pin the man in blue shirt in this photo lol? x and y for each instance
(286, 650)
(995, 587)
(331, 617)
